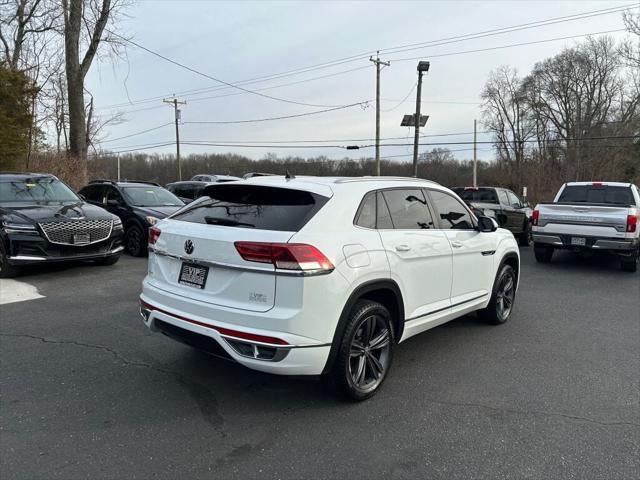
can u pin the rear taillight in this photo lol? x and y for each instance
(285, 256)
(535, 216)
(632, 223)
(154, 234)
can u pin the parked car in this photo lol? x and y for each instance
(42, 220)
(324, 276)
(590, 217)
(187, 191)
(214, 178)
(138, 205)
(502, 204)
(246, 176)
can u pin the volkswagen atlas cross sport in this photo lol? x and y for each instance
(324, 276)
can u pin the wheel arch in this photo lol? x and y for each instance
(387, 292)
(513, 260)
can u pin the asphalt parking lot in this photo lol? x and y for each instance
(88, 392)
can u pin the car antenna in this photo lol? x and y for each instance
(288, 175)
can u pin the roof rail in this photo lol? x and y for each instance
(113, 182)
(382, 179)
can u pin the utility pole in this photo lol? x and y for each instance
(377, 63)
(422, 67)
(475, 159)
(175, 103)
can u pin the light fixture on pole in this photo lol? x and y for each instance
(422, 67)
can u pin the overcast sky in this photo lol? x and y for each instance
(238, 41)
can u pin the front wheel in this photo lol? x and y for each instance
(525, 237)
(135, 241)
(7, 270)
(502, 298)
(365, 352)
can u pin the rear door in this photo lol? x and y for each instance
(419, 254)
(473, 251)
(195, 255)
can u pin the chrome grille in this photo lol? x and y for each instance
(69, 232)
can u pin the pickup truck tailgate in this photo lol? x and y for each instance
(598, 219)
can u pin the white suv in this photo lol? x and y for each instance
(324, 276)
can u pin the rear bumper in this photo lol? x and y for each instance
(268, 351)
(591, 242)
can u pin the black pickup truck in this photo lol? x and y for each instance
(502, 204)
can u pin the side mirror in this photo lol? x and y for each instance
(525, 204)
(487, 224)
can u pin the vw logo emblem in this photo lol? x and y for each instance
(188, 247)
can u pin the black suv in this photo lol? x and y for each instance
(138, 204)
(42, 220)
(187, 191)
(501, 204)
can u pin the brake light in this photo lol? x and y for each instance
(286, 256)
(154, 234)
(632, 223)
(535, 216)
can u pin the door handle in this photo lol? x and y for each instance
(456, 244)
(403, 248)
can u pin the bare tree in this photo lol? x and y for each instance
(85, 23)
(506, 114)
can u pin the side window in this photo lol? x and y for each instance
(514, 201)
(502, 195)
(453, 215)
(408, 209)
(383, 220)
(112, 194)
(367, 212)
(93, 193)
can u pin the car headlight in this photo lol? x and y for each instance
(10, 227)
(117, 224)
(152, 220)
(489, 213)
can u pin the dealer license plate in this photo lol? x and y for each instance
(193, 275)
(578, 241)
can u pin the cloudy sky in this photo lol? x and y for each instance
(313, 56)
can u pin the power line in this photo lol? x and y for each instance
(397, 49)
(210, 77)
(283, 117)
(448, 54)
(137, 133)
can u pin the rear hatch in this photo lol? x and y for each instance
(196, 256)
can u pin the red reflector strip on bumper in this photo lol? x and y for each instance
(251, 337)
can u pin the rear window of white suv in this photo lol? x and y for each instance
(251, 206)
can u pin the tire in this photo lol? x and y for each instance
(503, 297)
(630, 264)
(7, 270)
(135, 241)
(543, 254)
(524, 240)
(111, 260)
(359, 370)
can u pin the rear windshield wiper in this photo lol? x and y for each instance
(227, 222)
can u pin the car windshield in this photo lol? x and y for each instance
(482, 195)
(151, 196)
(35, 190)
(596, 194)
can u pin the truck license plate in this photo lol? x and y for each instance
(578, 241)
(193, 275)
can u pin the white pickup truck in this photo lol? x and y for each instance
(590, 216)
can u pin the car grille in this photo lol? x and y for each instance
(77, 232)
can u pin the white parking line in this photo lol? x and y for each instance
(12, 291)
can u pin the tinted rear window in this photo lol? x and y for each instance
(482, 195)
(596, 194)
(263, 208)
